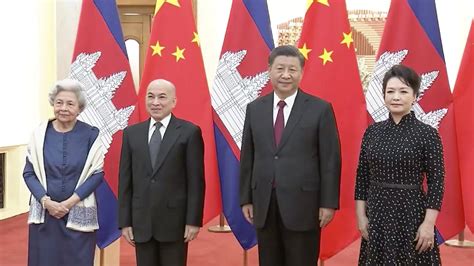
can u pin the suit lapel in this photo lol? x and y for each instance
(295, 116)
(267, 118)
(171, 135)
(143, 142)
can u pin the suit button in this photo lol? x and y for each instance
(153, 180)
(276, 157)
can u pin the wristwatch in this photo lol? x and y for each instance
(43, 200)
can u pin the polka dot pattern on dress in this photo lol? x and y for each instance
(394, 161)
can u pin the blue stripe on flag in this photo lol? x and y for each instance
(425, 11)
(258, 9)
(108, 10)
(107, 209)
(439, 238)
(229, 171)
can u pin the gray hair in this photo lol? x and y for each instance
(71, 85)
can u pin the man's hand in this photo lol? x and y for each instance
(190, 233)
(247, 209)
(127, 233)
(325, 216)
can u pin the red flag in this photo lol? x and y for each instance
(100, 63)
(174, 54)
(331, 73)
(411, 37)
(464, 117)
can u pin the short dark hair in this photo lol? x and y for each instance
(406, 75)
(286, 50)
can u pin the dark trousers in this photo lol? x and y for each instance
(278, 246)
(155, 253)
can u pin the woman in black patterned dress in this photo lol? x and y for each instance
(396, 217)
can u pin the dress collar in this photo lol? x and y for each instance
(410, 117)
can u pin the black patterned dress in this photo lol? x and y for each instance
(393, 162)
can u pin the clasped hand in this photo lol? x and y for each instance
(56, 209)
(59, 209)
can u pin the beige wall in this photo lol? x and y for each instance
(16, 193)
(67, 18)
(30, 72)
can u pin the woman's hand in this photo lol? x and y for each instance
(362, 220)
(363, 225)
(425, 234)
(425, 237)
(71, 201)
(55, 209)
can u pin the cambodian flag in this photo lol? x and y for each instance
(100, 63)
(411, 37)
(241, 77)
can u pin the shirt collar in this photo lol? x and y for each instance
(164, 122)
(290, 100)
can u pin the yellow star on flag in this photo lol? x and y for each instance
(324, 2)
(157, 48)
(179, 54)
(305, 51)
(196, 39)
(347, 39)
(326, 56)
(160, 3)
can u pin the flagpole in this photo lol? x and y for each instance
(221, 227)
(460, 242)
(101, 260)
(245, 257)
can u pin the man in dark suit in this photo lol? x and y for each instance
(161, 186)
(290, 166)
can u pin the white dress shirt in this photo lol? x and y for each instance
(164, 122)
(290, 100)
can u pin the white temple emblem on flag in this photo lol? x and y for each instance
(231, 93)
(100, 110)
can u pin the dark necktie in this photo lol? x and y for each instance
(155, 143)
(279, 123)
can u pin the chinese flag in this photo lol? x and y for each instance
(174, 54)
(464, 115)
(331, 73)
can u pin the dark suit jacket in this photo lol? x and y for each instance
(160, 203)
(305, 166)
